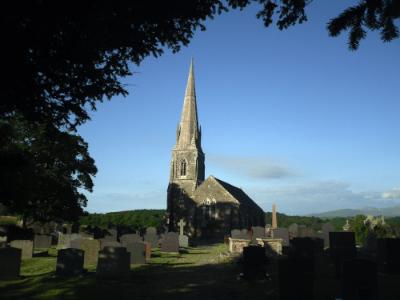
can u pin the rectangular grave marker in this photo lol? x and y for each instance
(25, 245)
(113, 262)
(69, 262)
(10, 263)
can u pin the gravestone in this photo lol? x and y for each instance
(3, 238)
(64, 240)
(359, 280)
(76, 244)
(113, 262)
(42, 241)
(235, 233)
(306, 247)
(342, 247)
(69, 262)
(254, 262)
(130, 238)
(371, 243)
(111, 235)
(236, 245)
(137, 253)
(10, 262)
(273, 247)
(26, 247)
(170, 242)
(148, 251)
(388, 255)
(326, 228)
(183, 239)
(91, 249)
(258, 233)
(109, 243)
(281, 233)
(293, 230)
(295, 279)
(151, 236)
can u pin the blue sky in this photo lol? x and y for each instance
(291, 117)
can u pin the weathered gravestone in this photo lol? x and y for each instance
(91, 249)
(137, 252)
(236, 245)
(281, 233)
(42, 241)
(111, 235)
(69, 262)
(151, 236)
(25, 245)
(170, 242)
(240, 234)
(113, 262)
(304, 231)
(254, 262)
(326, 229)
(10, 263)
(130, 238)
(64, 240)
(109, 243)
(295, 279)
(342, 246)
(359, 280)
(371, 243)
(293, 230)
(258, 232)
(388, 255)
(183, 239)
(306, 247)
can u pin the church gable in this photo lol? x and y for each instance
(211, 191)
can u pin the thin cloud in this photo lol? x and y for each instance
(254, 167)
(393, 194)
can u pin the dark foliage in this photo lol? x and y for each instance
(43, 171)
(367, 14)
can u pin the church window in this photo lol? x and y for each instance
(183, 168)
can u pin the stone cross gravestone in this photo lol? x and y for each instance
(151, 236)
(25, 245)
(113, 262)
(181, 226)
(326, 228)
(170, 242)
(91, 249)
(10, 262)
(130, 238)
(281, 233)
(69, 262)
(42, 241)
(137, 251)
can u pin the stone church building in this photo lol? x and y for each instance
(209, 207)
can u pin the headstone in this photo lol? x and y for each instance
(295, 279)
(137, 252)
(109, 243)
(306, 247)
(304, 231)
(359, 280)
(293, 230)
(64, 240)
(130, 238)
(69, 262)
(254, 262)
(10, 262)
(113, 262)
(3, 238)
(25, 245)
(151, 236)
(86, 235)
(148, 251)
(388, 255)
(235, 233)
(170, 242)
(42, 241)
(236, 245)
(111, 235)
(273, 247)
(181, 225)
(91, 249)
(371, 243)
(258, 232)
(342, 247)
(281, 233)
(183, 241)
(326, 228)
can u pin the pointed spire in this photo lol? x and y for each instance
(188, 126)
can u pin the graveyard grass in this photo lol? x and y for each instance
(205, 271)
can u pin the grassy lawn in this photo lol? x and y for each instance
(203, 272)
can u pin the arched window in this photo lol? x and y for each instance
(183, 167)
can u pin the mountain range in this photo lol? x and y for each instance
(388, 212)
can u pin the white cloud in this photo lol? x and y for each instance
(253, 167)
(393, 194)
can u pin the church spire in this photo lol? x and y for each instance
(188, 130)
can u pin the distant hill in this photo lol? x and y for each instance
(388, 212)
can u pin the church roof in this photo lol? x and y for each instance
(222, 192)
